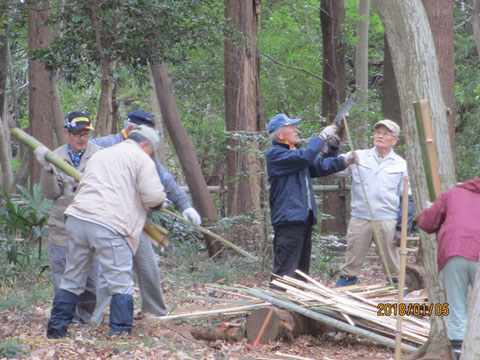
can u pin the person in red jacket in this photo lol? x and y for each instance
(454, 217)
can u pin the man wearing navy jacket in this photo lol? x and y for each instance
(292, 201)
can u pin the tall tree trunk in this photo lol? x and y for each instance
(157, 115)
(183, 146)
(104, 121)
(361, 75)
(390, 101)
(416, 70)
(440, 18)
(476, 25)
(332, 16)
(241, 114)
(471, 343)
(41, 85)
(58, 115)
(5, 153)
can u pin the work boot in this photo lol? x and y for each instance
(456, 348)
(121, 314)
(346, 280)
(61, 316)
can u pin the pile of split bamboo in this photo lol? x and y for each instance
(362, 306)
(356, 309)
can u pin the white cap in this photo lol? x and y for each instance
(390, 125)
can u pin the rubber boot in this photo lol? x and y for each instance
(63, 309)
(456, 348)
(121, 314)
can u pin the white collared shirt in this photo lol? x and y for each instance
(383, 181)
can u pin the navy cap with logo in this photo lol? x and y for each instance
(76, 121)
(141, 117)
(280, 121)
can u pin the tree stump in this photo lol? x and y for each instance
(282, 324)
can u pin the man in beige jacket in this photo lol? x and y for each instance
(104, 221)
(60, 188)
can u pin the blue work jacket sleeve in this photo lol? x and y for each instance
(283, 161)
(107, 141)
(411, 213)
(325, 166)
(177, 196)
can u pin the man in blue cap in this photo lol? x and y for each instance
(292, 201)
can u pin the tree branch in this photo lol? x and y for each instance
(297, 69)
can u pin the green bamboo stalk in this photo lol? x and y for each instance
(212, 234)
(417, 106)
(153, 230)
(77, 175)
(51, 157)
(329, 321)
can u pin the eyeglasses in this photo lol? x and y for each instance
(80, 135)
(384, 133)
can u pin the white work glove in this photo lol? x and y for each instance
(350, 158)
(328, 132)
(192, 215)
(166, 203)
(40, 154)
(427, 204)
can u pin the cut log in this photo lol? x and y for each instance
(414, 279)
(230, 334)
(283, 324)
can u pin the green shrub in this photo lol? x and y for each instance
(11, 348)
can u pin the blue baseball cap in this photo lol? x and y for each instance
(141, 117)
(280, 121)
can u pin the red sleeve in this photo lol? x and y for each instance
(430, 220)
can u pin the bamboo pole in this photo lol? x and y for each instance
(403, 264)
(329, 321)
(212, 234)
(427, 146)
(376, 234)
(153, 230)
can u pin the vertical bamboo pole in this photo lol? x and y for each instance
(427, 145)
(403, 264)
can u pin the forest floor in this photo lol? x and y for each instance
(22, 328)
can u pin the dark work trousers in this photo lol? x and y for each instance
(292, 246)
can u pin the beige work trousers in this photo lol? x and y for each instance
(359, 239)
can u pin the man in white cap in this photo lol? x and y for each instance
(145, 262)
(382, 172)
(104, 220)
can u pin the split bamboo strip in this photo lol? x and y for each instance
(207, 313)
(403, 265)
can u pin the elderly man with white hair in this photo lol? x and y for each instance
(104, 221)
(144, 262)
(382, 172)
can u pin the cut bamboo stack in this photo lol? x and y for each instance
(350, 307)
(358, 305)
